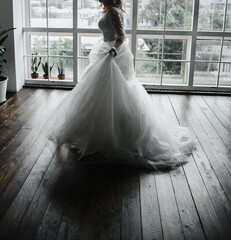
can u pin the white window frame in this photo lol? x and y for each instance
(193, 34)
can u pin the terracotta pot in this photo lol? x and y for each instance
(3, 88)
(34, 75)
(45, 76)
(61, 77)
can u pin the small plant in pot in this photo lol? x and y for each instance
(3, 79)
(61, 71)
(45, 69)
(35, 63)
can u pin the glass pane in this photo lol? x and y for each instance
(36, 43)
(175, 73)
(61, 44)
(225, 75)
(211, 15)
(35, 13)
(148, 72)
(177, 48)
(179, 14)
(208, 48)
(90, 12)
(205, 73)
(86, 43)
(60, 13)
(32, 68)
(151, 14)
(226, 52)
(128, 14)
(66, 68)
(228, 17)
(82, 64)
(149, 47)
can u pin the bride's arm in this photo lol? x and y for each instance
(116, 21)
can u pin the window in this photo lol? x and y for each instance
(176, 43)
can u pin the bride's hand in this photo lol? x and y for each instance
(113, 51)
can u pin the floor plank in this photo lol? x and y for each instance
(46, 194)
(204, 203)
(186, 206)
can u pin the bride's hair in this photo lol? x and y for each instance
(113, 3)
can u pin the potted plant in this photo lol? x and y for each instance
(3, 79)
(61, 71)
(35, 63)
(45, 69)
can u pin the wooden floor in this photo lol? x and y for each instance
(45, 194)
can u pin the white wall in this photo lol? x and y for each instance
(11, 16)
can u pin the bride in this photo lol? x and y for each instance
(110, 112)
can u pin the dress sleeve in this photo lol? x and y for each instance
(117, 22)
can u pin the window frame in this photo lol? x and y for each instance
(134, 31)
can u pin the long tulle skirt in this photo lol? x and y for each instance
(110, 112)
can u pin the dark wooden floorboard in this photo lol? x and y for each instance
(150, 213)
(204, 202)
(186, 206)
(223, 117)
(46, 194)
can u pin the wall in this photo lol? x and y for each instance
(11, 16)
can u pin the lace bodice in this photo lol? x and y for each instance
(111, 24)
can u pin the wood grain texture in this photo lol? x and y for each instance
(46, 194)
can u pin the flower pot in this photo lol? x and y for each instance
(34, 75)
(61, 77)
(3, 87)
(45, 76)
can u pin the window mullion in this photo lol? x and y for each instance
(163, 39)
(225, 15)
(75, 42)
(134, 27)
(222, 43)
(48, 47)
(193, 43)
(219, 67)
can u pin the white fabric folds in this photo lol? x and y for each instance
(110, 112)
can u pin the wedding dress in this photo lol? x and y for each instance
(110, 112)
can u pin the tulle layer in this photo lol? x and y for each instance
(110, 112)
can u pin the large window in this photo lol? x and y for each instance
(176, 43)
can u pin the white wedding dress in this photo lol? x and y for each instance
(110, 112)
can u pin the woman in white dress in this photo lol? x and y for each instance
(110, 112)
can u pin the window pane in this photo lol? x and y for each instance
(86, 43)
(36, 43)
(128, 14)
(211, 15)
(82, 64)
(228, 17)
(67, 64)
(35, 13)
(179, 14)
(149, 47)
(208, 48)
(61, 44)
(226, 52)
(148, 72)
(151, 14)
(225, 75)
(90, 12)
(175, 73)
(60, 13)
(205, 73)
(176, 48)
(28, 62)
